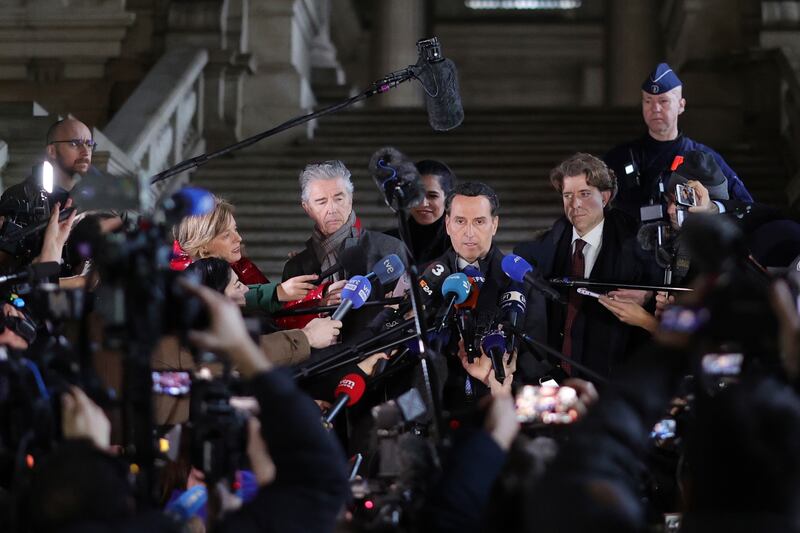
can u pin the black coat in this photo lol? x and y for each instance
(486, 316)
(376, 246)
(599, 339)
(427, 242)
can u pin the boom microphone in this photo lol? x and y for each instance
(34, 272)
(397, 177)
(439, 78)
(348, 392)
(521, 271)
(354, 294)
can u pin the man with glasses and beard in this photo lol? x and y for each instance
(69, 148)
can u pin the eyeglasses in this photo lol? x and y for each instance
(79, 143)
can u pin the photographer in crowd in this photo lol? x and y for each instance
(297, 464)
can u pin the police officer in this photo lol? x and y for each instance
(643, 163)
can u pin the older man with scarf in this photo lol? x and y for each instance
(327, 198)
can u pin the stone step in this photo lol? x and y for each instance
(22, 109)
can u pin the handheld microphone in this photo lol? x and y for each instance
(431, 280)
(387, 270)
(348, 392)
(439, 79)
(494, 346)
(189, 504)
(354, 294)
(455, 289)
(466, 310)
(34, 272)
(188, 201)
(513, 307)
(476, 281)
(521, 271)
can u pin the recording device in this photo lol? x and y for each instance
(171, 383)
(397, 177)
(33, 272)
(219, 431)
(685, 195)
(546, 405)
(354, 294)
(439, 79)
(722, 364)
(348, 392)
(586, 292)
(521, 271)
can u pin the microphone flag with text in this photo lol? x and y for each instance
(354, 294)
(347, 393)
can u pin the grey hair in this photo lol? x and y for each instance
(327, 170)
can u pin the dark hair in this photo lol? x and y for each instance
(212, 272)
(597, 173)
(473, 188)
(445, 176)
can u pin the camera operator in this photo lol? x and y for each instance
(299, 467)
(69, 150)
(283, 348)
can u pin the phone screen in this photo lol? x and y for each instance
(172, 383)
(546, 405)
(723, 364)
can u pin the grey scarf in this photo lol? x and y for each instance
(327, 248)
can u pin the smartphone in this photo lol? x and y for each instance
(546, 405)
(685, 196)
(683, 319)
(172, 383)
(587, 292)
(723, 364)
(664, 430)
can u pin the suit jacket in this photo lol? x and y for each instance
(376, 246)
(599, 339)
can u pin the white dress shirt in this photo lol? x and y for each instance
(594, 241)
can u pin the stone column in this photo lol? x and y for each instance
(633, 48)
(281, 33)
(219, 26)
(397, 26)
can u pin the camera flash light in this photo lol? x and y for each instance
(47, 176)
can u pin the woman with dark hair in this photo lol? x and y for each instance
(429, 239)
(218, 274)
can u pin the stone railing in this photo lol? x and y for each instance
(161, 123)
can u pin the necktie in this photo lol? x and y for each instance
(576, 270)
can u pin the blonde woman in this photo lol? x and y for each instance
(215, 235)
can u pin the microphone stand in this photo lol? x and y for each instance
(399, 202)
(383, 85)
(534, 344)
